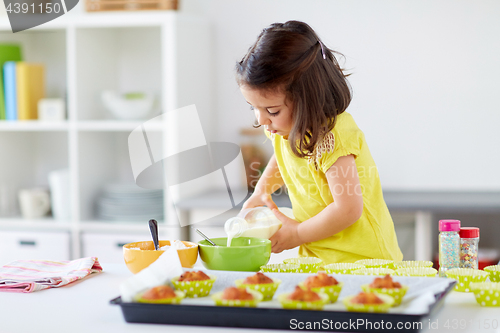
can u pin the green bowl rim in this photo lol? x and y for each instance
(265, 242)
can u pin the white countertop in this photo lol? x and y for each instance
(84, 307)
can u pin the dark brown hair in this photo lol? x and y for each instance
(289, 57)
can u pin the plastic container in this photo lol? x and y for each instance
(449, 245)
(469, 242)
(257, 222)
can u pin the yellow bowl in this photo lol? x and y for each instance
(139, 255)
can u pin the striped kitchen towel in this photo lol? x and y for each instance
(26, 276)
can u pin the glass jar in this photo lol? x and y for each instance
(469, 241)
(449, 245)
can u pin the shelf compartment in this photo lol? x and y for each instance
(116, 59)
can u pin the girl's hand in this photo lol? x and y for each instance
(257, 200)
(287, 237)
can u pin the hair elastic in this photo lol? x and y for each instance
(322, 49)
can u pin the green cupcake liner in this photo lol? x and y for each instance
(376, 263)
(373, 271)
(307, 264)
(486, 293)
(257, 297)
(417, 271)
(465, 276)
(280, 268)
(194, 289)
(384, 307)
(298, 305)
(494, 271)
(413, 263)
(396, 293)
(266, 289)
(332, 292)
(342, 268)
(179, 295)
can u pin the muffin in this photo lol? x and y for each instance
(368, 302)
(323, 283)
(160, 295)
(194, 284)
(261, 283)
(387, 286)
(304, 299)
(237, 296)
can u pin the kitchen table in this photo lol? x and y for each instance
(84, 307)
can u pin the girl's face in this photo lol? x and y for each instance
(271, 110)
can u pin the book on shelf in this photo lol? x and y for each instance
(30, 88)
(8, 52)
(10, 95)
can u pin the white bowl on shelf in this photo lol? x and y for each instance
(131, 106)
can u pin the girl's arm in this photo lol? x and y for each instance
(347, 207)
(269, 182)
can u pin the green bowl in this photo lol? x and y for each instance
(245, 254)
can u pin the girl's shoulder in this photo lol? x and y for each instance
(345, 138)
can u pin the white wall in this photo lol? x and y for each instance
(426, 76)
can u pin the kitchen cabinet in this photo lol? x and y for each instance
(164, 53)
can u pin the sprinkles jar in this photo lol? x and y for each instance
(449, 245)
(469, 241)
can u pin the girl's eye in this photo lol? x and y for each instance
(273, 114)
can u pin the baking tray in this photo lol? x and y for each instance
(278, 318)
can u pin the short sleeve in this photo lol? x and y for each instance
(346, 141)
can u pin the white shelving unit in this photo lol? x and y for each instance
(166, 53)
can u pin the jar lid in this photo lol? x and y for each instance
(449, 225)
(469, 232)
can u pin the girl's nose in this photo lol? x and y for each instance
(262, 119)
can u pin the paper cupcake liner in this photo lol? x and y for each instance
(413, 263)
(307, 264)
(266, 289)
(373, 271)
(280, 268)
(298, 305)
(376, 263)
(486, 293)
(217, 297)
(332, 292)
(384, 307)
(342, 268)
(194, 289)
(417, 271)
(396, 293)
(494, 272)
(465, 276)
(179, 295)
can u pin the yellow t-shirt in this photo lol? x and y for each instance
(373, 235)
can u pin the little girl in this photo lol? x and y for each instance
(299, 94)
